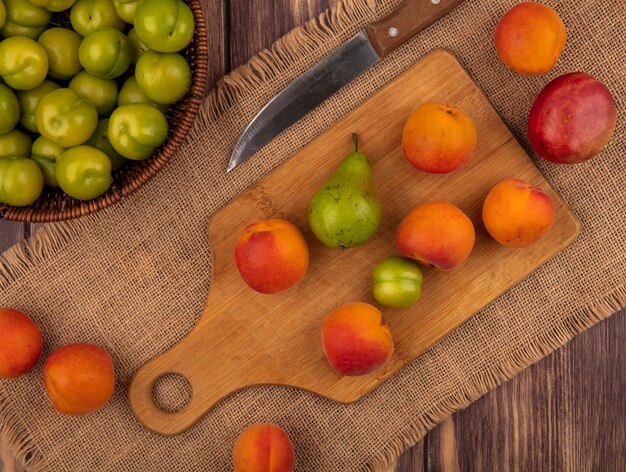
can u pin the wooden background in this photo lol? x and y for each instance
(566, 412)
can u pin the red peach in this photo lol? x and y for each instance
(20, 343)
(271, 255)
(356, 340)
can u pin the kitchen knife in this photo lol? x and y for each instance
(322, 80)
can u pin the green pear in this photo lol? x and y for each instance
(345, 211)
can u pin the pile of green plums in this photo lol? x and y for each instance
(76, 103)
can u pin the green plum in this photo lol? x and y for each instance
(102, 93)
(15, 143)
(9, 109)
(21, 181)
(46, 154)
(53, 5)
(164, 25)
(3, 14)
(137, 130)
(84, 172)
(126, 10)
(100, 140)
(88, 16)
(65, 118)
(138, 47)
(397, 283)
(106, 53)
(132, 93)
(23, 63)
(61, 46)
(164, 78)
(29, 99)
(23, 18)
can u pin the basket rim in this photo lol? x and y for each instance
(188, 109)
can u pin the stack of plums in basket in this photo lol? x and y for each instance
(79, 100)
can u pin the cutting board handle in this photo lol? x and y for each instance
(411, 17)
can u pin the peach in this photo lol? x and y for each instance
(516, 214)
(20, 343)
(79, 378)
(271, 255)
(263, 448)
(436, 234)
(572, 119)
(356, 339)
(438, 138)
(530, 38)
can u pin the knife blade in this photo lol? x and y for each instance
(337, 69)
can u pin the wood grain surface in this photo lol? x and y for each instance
(564, 413)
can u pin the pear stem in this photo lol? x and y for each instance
(355, 143)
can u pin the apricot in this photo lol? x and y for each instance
(516, 214)
(530, 38)
(438, 138)
(436, 234)
(79, 378)
(356, 339)
(20, 343)
(263, 448)
(271, 255)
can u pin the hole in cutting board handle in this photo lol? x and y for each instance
(171, 392)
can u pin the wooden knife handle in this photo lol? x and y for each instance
(411, 17)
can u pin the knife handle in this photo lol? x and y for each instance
(411, 17)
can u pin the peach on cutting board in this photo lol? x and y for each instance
(271, 255)
(263, 448)
(79, 378)
(530, 38)
(436, 234)
(20, 343)
(438, 138)
(517, 214)
(356, 339)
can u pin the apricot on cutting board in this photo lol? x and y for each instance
(438, 138)
(356, 339)
(436, 234)
(517, 214)
(271, 255)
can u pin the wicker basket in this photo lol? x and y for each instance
(54, 205)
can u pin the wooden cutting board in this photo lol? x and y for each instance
(244, 338)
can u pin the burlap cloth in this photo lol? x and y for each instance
(134, 278)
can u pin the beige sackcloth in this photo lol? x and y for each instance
(134, 278)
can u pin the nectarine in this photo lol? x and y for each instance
(572, 119)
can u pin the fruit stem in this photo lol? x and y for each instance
(355, 143)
